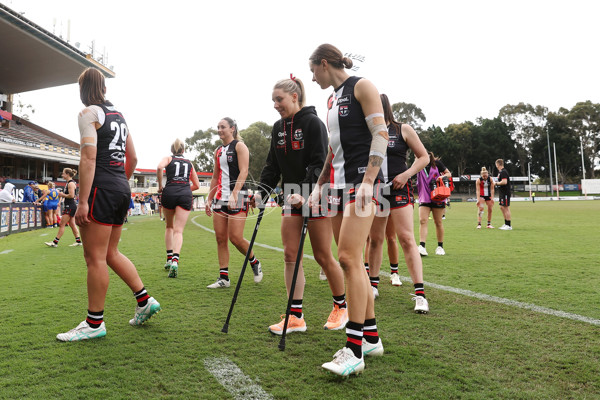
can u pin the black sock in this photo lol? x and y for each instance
(370, 331)
(95, 318)
(169, 255)
(253, 260)
(374, 281)
(441, 244)
(77, 240)
(393, 268)
(175, 258)
(507, 222)
(489, 222)
(340, 300)
(420, 289)
(224, 274)
(422, 244)
(354, 335)
(56, 240)
(296, 308)
(367, 268)
(141, 297)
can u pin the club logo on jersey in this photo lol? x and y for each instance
(297, 145)
(229, 158)
(280, 134)
(401, 199)
(391, 143)
(344, 111)
(298, 135)
(347, 99)
(281, 143)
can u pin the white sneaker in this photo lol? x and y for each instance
(369, 349)
(421, 304)
(76, 244)
(220, 283)
(490, 226)
(422, 251)
(322, 275)
(82, 332)
(395, 280)
(506, 228)
(375, 292)
(440, 251)
(479, 226)
(345, 363)
(503, 227)
(51, 244)
(143, 314)
(257, 270)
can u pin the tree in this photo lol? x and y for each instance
(584, 119)
(458, 147)
(410, 114)
(203, 144)
(527, 123)
(257, 138)
(492, 140)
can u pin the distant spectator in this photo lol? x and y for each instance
(6, 195)
(29, 192)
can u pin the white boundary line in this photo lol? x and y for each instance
(6, 251)
(234, 380)
(481, 296)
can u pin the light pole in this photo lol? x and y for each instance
(582, 167)
(529, 178)
(556, 170)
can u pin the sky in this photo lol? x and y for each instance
(181, 66)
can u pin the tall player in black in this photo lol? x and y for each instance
(176, 200)
(357, 147)
(398, 202)
(296, 156)
(108, 160)
(504, 194)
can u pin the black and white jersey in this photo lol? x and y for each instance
(397, 150)
(485, 186)
(350, 138)
(229, 170)
(110, 153)
(178, 172)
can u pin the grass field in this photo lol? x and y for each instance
(465, 348)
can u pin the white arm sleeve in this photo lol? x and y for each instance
(87, 129)
(379, 131)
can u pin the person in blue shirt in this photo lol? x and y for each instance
(29, 192)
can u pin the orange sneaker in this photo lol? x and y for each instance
(295, 324)
(337, 319)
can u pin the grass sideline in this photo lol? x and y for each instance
(465, 348)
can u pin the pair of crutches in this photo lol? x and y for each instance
(294, 278)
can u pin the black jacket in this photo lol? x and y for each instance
(298, 150)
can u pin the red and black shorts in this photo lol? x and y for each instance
(396, 198)
(173, 196)
(339, 199)
(70, 210)
(505, 200)
(108, 207)
(434, 204)
(221, 206)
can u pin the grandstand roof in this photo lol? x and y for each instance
(33, 58)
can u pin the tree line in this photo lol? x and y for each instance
(520, 135)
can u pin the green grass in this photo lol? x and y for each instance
(464, 349)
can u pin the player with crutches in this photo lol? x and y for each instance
(296, 156)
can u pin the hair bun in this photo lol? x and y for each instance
(347, 62)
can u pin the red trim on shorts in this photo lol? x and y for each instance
(90, 213)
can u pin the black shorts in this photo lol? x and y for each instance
(505, 200)
(175, 197)
(70, 210)
(220, 206)
(434, 204)
(339, 199)
(396, 198)
(288, 211)
(108, 207)
(486, 198)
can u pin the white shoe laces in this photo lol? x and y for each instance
(342, 355)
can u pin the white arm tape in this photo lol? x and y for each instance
(379, 132)
(87, 129)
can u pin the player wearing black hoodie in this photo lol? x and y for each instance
(297, 153)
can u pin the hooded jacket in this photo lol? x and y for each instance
(298, 150)
(6, 195)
